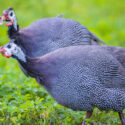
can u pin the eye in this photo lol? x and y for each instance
(15, 42)
(11, 13)
(9, 46)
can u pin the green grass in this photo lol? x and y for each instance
(22, 100)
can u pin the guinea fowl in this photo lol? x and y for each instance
(78, 77)
(49, 34)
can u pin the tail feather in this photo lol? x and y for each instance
(95, 39)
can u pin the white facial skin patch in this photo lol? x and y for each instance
(14, 50)
(12, 17)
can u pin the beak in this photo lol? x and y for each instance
(3, 52)
(1, 20)
(6, 18)
(5, 14)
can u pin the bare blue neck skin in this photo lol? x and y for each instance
(11, 27)
(15, 57)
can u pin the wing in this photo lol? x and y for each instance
(109, 67)
(113, 76)
(75, 63)
(96, 62)
(95, 40)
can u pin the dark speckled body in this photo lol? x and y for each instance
(82, 77)
(46, 35)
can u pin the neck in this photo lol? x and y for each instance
(25, 65)
(13, 30)
(39, 68)
(31, 67)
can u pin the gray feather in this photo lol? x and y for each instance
(60, 16)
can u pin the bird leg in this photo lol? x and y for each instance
(121, 115)
(88, 115)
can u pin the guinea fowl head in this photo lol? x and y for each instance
(10, 17)
(11, 49)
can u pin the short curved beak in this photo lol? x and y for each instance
(3, 52)
(6, 18)
(5, 14)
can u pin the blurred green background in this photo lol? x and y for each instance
(22, 100)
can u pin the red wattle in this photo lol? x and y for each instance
(8, 56)
(10, 24)
(2, 50)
